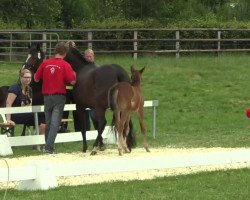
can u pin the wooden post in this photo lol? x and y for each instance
(177, 44)
(44, 45)
(11, 46)
(135, 44)
(90, 36)
(219, 42)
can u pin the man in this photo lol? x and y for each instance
(55, 73)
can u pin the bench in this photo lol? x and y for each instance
(7, 129)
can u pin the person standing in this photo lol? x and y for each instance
(89, 59)
(55, 74)
(89, 56)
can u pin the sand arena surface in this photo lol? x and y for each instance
(124, 176)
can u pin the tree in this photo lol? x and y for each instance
(31, 13)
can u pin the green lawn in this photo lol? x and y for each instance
(202, 100)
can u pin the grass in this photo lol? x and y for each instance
(202, 102)
(219, 185)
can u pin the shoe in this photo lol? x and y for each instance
(63, 130)
(49, 151)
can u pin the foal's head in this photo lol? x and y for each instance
(136, 76)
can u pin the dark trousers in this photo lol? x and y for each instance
(27, 118)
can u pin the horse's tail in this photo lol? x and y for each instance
(112, 99)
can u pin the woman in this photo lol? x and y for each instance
(20, 94)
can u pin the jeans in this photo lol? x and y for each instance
(53, 108)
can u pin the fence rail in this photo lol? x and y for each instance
(13, 43)
(42, 174)
(66, 137)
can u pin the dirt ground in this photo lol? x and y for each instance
(124, 176)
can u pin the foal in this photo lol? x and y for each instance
(125, 98)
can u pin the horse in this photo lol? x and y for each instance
(34, 59)
(125, 98)
(91, 91)
(3, 95)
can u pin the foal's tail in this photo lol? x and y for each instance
(112, 97)
(131, 139)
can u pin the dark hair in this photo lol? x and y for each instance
(61, 48)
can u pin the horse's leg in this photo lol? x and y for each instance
(100, 117)
(81, 117)
(24, 130)
(140, 114)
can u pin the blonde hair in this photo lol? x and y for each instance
(24, 71)
(89, 51)
(26, 89)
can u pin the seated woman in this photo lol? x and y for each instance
(20, 94)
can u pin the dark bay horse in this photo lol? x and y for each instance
(91, 91)
(125, 98)
(3, 95)
(34, 59)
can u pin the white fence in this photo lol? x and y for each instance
(42, 175)
(7, 142)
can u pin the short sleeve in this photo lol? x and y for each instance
(14, 89)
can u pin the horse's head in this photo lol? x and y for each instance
(74, 57)
(136, 75)
(34, 59)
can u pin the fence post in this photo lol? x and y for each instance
(11, 46)
(90, 36)
(177, 44)
(44, 44)
(135, 44)
(219, 42)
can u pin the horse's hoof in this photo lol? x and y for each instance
(93, 153)
(84, 150)
(147, 149)
(120, 152)
(102, 148)
(127, 150)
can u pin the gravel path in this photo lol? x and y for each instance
(125, 176)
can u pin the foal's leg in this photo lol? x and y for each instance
(125, 132)
(119, 130)
(124, 129)
(140, 114)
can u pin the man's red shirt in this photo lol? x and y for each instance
(55, 74)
